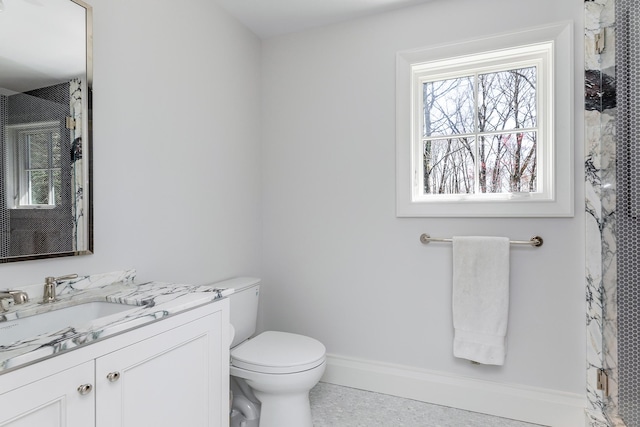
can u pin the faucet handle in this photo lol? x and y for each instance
(19, 297)
(50, 287)
(57, 279)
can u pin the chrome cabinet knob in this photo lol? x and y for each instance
(113, 376)
(85, 389)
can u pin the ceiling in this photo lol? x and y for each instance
(269, 18)
(51, 49)
(42, 42)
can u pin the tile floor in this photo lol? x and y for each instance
(337, 406)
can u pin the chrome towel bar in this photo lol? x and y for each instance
(534, 241)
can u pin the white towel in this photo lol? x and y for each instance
(480, 298)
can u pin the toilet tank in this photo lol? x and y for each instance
(243, 306)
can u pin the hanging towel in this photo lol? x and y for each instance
(480, 298)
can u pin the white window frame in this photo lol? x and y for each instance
(18, 184)
(550, 49)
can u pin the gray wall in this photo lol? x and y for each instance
(351, 273)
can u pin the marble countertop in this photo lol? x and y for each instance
(149, 302)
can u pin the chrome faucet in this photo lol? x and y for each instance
(50, 287)
(19, 297)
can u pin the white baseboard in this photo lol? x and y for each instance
(529, 404)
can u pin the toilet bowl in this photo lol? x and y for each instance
(272, 372)
(280, 368)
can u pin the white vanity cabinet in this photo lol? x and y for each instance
(172, 372)
(166, 380)
(53, 401)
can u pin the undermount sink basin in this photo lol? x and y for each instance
(55, 320)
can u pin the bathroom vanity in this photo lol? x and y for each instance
(161, 362)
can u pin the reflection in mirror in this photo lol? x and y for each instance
(45, 119)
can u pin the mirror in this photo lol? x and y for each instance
(45, 129)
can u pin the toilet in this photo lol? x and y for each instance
(272, 372)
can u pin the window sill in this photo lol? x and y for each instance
(33, 207)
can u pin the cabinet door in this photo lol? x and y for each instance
(171, 379)
(53, 401)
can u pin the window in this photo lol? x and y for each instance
(479, 132)
(34, 160)
(484, 128)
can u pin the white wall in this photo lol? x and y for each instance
(338, 264)
(176, 166)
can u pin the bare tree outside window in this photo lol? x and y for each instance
(480, 133)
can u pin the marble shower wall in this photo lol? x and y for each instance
(600, 205)
(78, 173)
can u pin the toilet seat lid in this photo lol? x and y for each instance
(278, 353)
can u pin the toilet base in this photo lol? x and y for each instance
(295, 408)
(245, 406)
(284, 398)
(236, 419)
